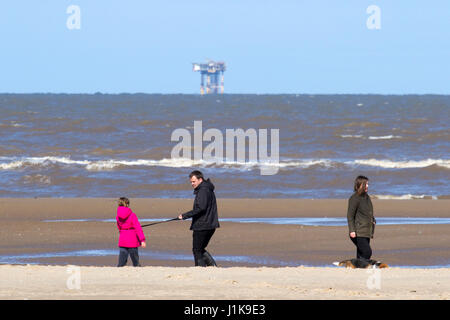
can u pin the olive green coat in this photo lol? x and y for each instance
(360, 215)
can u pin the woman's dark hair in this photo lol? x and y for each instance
(197, 174)
(123, 202)
(360, 184)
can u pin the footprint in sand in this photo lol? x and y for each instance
(176, 276)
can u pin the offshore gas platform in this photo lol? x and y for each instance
(213, 71)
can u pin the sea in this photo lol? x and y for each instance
(114, 145)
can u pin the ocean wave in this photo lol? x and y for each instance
(409, 164)
(293, 163)
(12, 124)
(38, 161)
(11, 166)
(13, 163)
(173, 163)
(359, 136)
(404, 197)
(110, 164)
(384, 137)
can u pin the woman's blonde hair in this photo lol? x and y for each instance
(123, 202)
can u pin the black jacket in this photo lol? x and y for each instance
(204, 214)
(360, 215)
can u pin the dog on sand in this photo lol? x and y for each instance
(361, 263)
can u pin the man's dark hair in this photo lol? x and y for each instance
(197, 174)
(360, 184)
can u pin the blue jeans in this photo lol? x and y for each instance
(123, 256)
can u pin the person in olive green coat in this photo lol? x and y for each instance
(361, 222)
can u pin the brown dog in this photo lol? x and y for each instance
(359, 263)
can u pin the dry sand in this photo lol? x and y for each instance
(24, 232)
(191, 283)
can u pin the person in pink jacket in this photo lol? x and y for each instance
(131, 235)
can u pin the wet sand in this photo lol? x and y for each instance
(401, 245)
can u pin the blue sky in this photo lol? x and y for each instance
(269, 46)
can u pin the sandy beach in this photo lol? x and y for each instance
(237, 283)
(308, 252)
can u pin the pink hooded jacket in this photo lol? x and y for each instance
(131, 234)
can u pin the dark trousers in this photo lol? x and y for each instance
(200, 240)
(363, 250)
(123, 256)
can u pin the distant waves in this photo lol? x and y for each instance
(13, 163)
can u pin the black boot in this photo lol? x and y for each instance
(198, 259)
(209, 260)
(200, 262)
(360, 263)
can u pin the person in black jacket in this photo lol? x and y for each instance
(204, 216)
(361, 222)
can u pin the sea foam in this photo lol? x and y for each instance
(12, 163)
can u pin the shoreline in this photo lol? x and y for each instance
(228, 207)
(26, 233)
